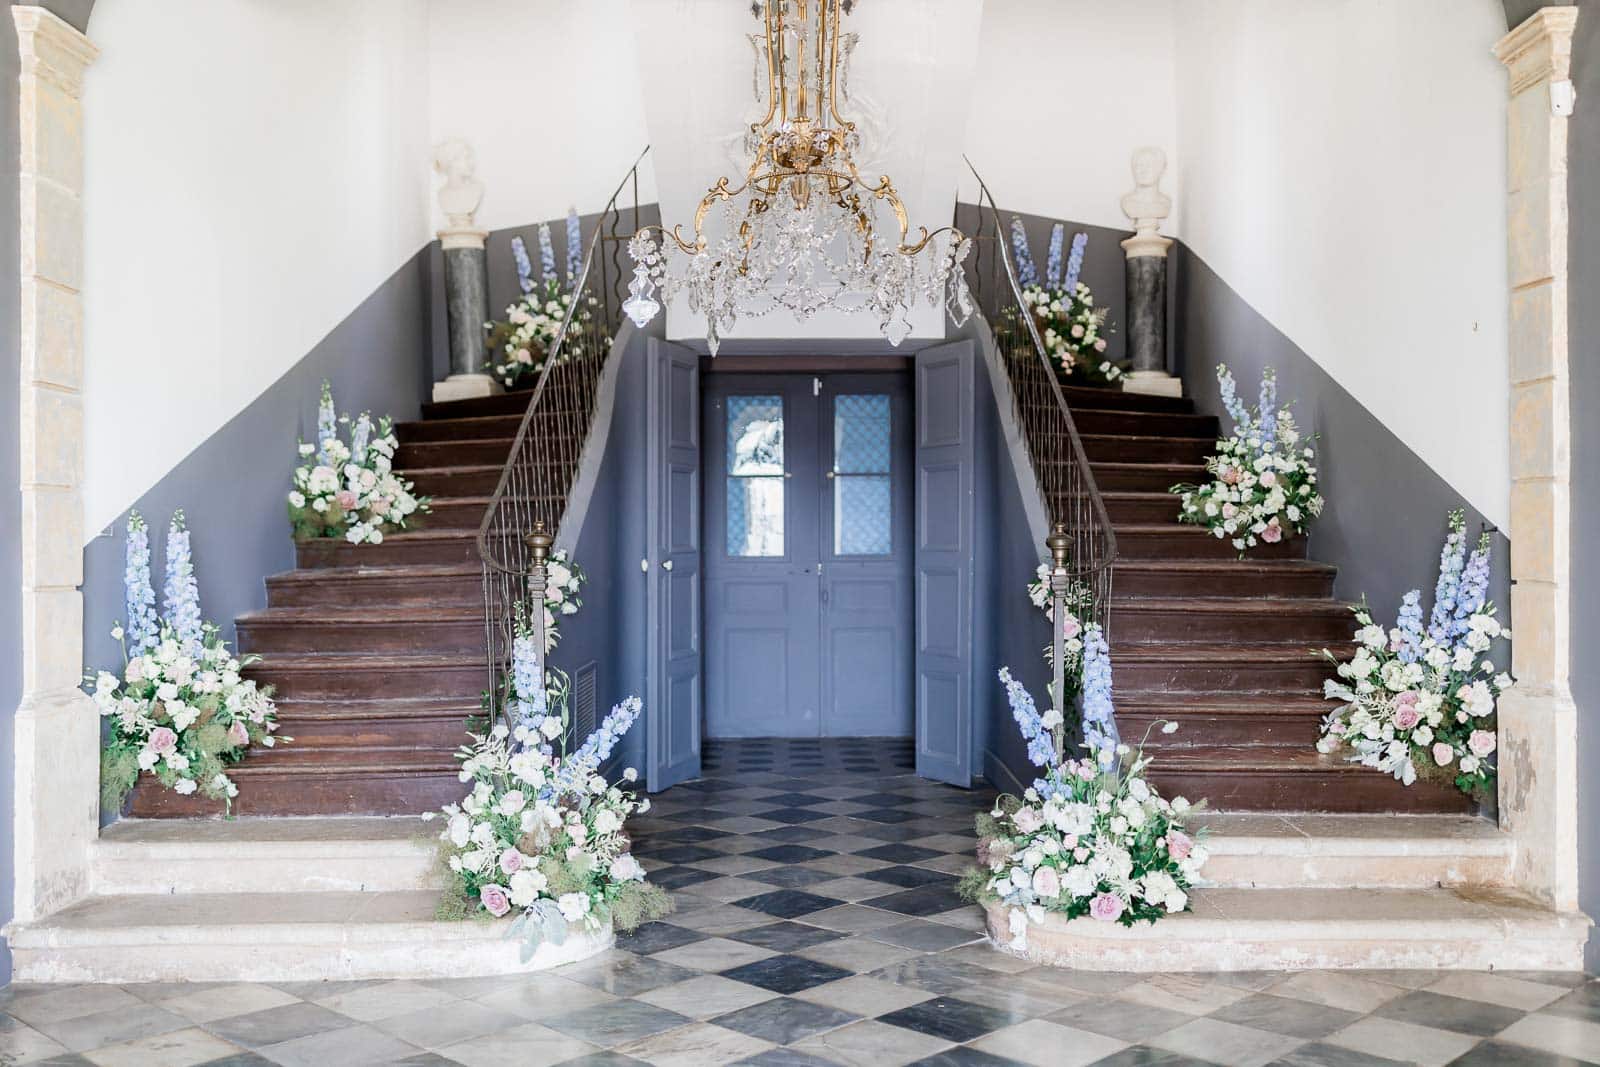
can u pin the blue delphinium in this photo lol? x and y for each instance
(1231, 402)
(1473, 591)
(1452, 559)
(1052, 265)
(1410, 627)
(181, 593)
(1099, 722)
(327, 424)
(1041, 746)
(529, 702)
(547, 254)
(1267, 408)
(359, 438)
(1080, 241)
(574, 247)
(143, 631)
(1027, 273)
(575, 770)
(519, 255)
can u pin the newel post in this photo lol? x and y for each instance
(1058, 542)
(539, 542)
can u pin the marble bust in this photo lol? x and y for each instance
(462, 192)
(1147, 205)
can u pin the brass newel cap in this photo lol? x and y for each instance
(1058, 542)
(539, 542)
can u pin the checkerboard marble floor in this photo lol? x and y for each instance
(816, 925)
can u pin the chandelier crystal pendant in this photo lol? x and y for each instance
(804, 231)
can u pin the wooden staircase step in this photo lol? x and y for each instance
(328, 676)
(1141, 507)
(1130, 448)
(1222, 719)
(472, 451)
(386, 786)
(512, 403)
(406, 548)
(476, 480)
(1176, 541)
(1300, 622)
(1278, 778)
(1145, 477)
(1088, 396)
(1218, 668)
(1164, 423)
(386, 629)
(416, 723)
(416, 585)
(453, 429)
(1220, 577)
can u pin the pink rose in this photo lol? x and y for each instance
(1229, 511)
(1179, 844)
(494, 899)
(510, 861)
(1443, 754)
(1273, 533)
(1407, 716)
(1268, 479)
(346, 499)
(238, 733)
(1481, 742)
(1069, 840)
(1028, 820)
(1106, 907)
(1046, 883)
(1230, 475)
(1071, 627)
(1100, 345)
(163, 741)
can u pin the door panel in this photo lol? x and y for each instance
(945, 529)
(762, 590)
(866, 560)
(673, 712)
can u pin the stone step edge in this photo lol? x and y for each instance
(1537, 939)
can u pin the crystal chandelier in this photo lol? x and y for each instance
(804, 231)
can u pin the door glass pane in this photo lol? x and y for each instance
(755, 475)
(862, 509)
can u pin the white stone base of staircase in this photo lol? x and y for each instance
(1316, 929)
(274, 937)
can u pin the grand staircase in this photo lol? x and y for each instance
(376, 652)
(1228, 648)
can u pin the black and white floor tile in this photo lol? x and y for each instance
(817, 925)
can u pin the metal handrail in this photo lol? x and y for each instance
(530, 498)
(1061, 469)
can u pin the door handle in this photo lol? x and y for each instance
(829, 476)
(666, 564)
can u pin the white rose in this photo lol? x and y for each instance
(626, 869)
(184, 787)
(574, 906)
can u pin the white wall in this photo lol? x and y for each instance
(1342, 166)
(1066, 90)
(548, 93)
(251, 175)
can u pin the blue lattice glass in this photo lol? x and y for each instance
(862, 507)
(861, 434)
(755, 475)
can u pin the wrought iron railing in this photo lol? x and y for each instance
(525, 513)
(1066, 482)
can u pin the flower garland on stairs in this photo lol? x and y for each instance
(180, 712)
(1420, 702)
(1264, 483)
(1091, 837)
(350, 490)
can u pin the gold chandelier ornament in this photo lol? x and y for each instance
(804, 231)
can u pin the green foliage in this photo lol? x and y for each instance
(974, 886)
(119, 770)
(637, 903)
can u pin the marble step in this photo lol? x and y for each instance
(272, 937)
(1319, 929)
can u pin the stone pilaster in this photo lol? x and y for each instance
(1538, 720)
(57, 738)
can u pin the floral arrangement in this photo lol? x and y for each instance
(563, 581)
(180, 711)
(1264, 481)
(532, 325)
(1072, 328)
(542, 833)
(1073, 625)
(350, 490)
(1090, 837)
(1420, 702)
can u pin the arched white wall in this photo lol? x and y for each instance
(548, 93)
(251, 174)
(1342, 167)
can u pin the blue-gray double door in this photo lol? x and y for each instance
(808, 506)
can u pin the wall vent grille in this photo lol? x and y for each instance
(583, 697)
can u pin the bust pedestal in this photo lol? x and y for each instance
(466, 288)
(1147, 251)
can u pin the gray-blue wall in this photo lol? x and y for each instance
(232, 487)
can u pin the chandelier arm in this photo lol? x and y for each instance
(677, 237)
(783, 59)
(833, 76)
(772, 76)
(913, 249)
